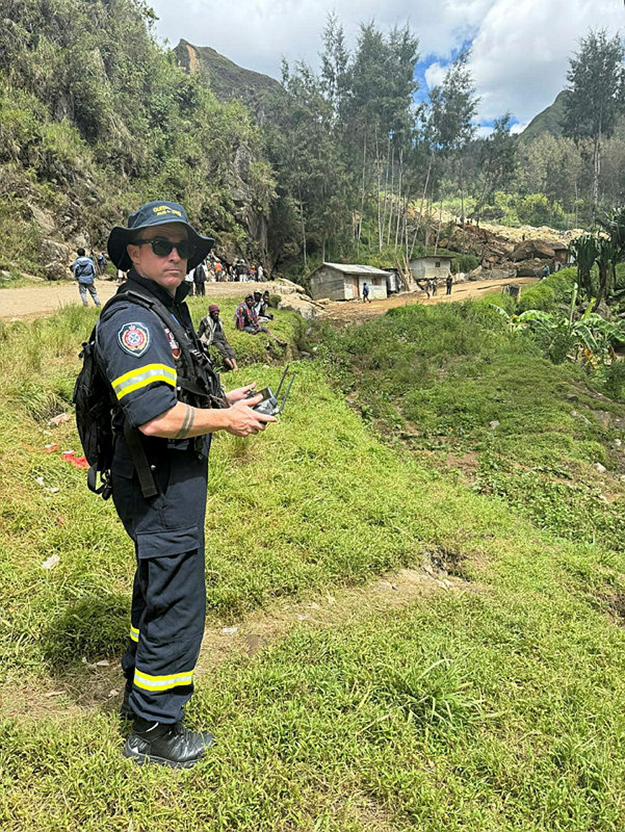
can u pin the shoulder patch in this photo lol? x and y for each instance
(175, 346)
(134, 339)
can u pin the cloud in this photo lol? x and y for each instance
(257, 33)
(520, 47)
(521, 52)
(435, 74)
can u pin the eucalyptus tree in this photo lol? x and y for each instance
(596, 96)
(450, 124)
(497, 160)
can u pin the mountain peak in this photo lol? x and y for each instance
(228, 80)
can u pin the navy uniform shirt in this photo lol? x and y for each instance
(139, 357)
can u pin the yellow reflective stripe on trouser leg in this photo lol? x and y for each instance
(160, 683)
(142, 376)
(134, 633)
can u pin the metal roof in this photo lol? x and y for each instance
(431, 257)
(355, 269)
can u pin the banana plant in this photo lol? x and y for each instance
(588, 338)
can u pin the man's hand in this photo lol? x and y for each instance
(243, 420)
(235, 396)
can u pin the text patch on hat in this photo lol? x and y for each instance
(175, 346)
(134, 338)
(164, 210)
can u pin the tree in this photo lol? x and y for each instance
(497, 163)
(334, 64)
(450, 127)
(596, 96)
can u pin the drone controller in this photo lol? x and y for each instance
(271, 404)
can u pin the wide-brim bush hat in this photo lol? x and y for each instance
(147, 216)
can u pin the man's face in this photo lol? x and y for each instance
(169, 271)
(214, 315)
(250, 301)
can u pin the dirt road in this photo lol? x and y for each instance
(45, 298)
(359, 311)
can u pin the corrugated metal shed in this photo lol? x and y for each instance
(355, 269)
(341, 281)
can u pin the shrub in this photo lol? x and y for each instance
(464, 263)
(554, 289)
(614, 380)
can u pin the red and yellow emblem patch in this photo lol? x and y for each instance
(175, 346)
(134, 338)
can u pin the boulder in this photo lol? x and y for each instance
(501, 274)
(530, 268)
(532, 250)
(295, 287)
(55, 270)
(300, 304)
(42, 217)
(51, 251)
(476, 274)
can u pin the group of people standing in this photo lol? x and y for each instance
(86, 268)
(431, 286)
(214, 270)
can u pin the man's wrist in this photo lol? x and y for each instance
(221, 418)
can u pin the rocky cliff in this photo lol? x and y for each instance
(227, 80)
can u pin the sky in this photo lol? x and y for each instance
(520, 48)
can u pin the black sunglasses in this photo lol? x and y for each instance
(163, 248)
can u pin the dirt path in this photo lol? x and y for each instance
(358, 311)
(45, 298)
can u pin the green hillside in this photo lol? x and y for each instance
(228, 80)
(424, 563)
(550, 120)
(96, 117)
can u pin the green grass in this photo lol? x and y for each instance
(453, 379)
(493, 704)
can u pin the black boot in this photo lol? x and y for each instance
(125, 711)
(169, 745)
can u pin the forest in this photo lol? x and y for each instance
(352, 159)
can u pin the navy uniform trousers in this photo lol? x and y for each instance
(168, 602)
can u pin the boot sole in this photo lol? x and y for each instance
(147, 759)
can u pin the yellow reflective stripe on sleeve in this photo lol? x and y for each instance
(157, 683)
(134, 633)
(142, 376)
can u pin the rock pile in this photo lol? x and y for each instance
(501, 257)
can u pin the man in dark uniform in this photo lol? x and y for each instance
(141, 356)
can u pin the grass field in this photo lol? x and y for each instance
(490, 697)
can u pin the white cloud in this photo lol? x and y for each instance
(520, 55)
(520, 52)
(435, 74)
(257, 33)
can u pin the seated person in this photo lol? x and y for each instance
(245, 317)
(246, 320)
(264, 314)
(211, 332)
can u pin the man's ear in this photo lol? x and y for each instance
(133, 252)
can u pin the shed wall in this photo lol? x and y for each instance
(425, 268)
(328, 283)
